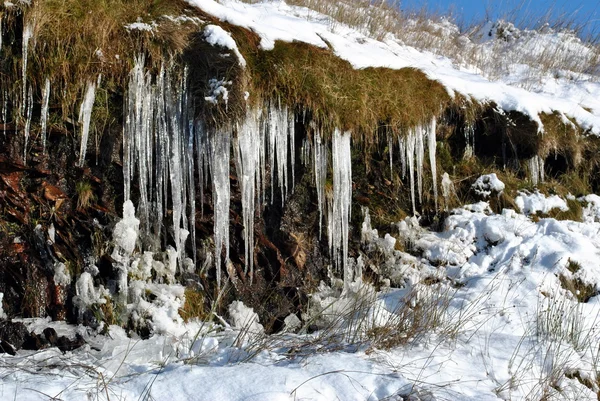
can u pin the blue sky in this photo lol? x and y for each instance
(525, 12)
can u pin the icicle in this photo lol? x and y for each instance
(85, 115)
(5, 111)
(409, 145)
(391, 150)
(432, 149)
(536, 170)
(305, 151)
(320, 153)
(27, 34)
(29, 108)
(203, 160)
(342, 201)
(469, 132)
(420, 157)
(292, 141)
(44, 116)
(281, 138)
(402, 146)
(0, 33)
(219, 165)
(247, 150)
(158, 147)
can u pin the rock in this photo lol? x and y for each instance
(51, 335)
(6, 348)
(13, 333)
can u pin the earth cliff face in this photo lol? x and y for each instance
(57, 216)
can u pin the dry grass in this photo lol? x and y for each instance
(75, 41)
(194, 305)
(300, 74)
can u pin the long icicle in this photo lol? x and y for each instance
(220, 144)
(44, 116)
(320, 167)
(432, 160)
(342, 201)
(247, 148)
(85, 116)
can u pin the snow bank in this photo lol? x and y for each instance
(486, 184)
(538, 202)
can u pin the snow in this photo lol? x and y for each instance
(488, 184)
(275, 20)
(504, 327)
(61, 274)
(538, 202)
(217, 36)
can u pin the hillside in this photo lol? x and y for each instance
(306, 200)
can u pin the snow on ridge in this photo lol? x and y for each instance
(275, 20)
(217, 36)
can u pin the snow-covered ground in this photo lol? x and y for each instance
(479, 314)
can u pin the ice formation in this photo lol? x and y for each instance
(160, 140)
(27, 34)
(245, 320)
(248, 162)
(469, 132)
(28, 113)
(320, 157)
(44, 115)
(432, 145)
(85, 115)
(61, 274)
(281, 145)
(158, 151)
(219, 165)
(536, 169)
(125, 236)
(2, 314)
(447, 188)
(342, 201)
(412, 157)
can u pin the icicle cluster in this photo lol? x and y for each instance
(247, 152)
(469, 132)
(160, 139)
(536, 169)
(219, 164)
(158, 151)
(281, 146)
(412, 155)
(342, 201)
